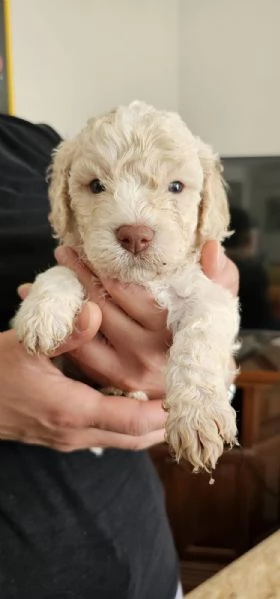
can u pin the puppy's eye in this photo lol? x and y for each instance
(96, 186)
(175, 187)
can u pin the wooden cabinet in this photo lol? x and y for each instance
(214, 524)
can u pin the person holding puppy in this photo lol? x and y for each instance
(73, 524)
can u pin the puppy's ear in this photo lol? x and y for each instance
(61, 214)
(214, 212)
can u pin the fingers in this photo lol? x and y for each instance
(66, 440)
(99, 362)
(119, 329)
(218, 267)
(116, 324)
(80, 407)
(136, 368)
(134, 300)
(128, 336)
(114, 320)
(68, 415)
(85, 439)
(137, 303)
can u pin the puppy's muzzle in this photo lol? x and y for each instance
(135, 238)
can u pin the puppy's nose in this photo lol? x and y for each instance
(134, 238)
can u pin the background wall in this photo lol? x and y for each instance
(229, 73)
(75, 58)
(217, 62)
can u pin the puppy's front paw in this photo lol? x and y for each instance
(198, 430)
(46, 317)
(44, 327)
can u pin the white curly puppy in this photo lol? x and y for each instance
(137, 195)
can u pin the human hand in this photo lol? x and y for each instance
(39, 405)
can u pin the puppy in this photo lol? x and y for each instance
(137, 195)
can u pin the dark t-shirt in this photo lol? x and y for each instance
(71, 525)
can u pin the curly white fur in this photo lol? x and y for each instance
(136, 151)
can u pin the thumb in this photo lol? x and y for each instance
(86, 326)
(217, 267)
(23, 290)
(213, 259)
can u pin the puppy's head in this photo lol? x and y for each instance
(137, 193)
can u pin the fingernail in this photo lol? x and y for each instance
(62, 254)
(89, 318)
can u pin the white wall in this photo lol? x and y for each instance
(217, 61)
(75, 58)
(229, 73)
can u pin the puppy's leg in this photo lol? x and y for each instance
(200, 417)
(45, 318)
